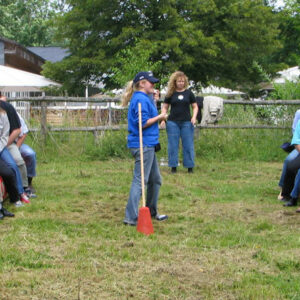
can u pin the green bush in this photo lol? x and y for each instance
(288, 91)
(275, 115)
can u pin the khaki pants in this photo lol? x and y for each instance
(15, 153)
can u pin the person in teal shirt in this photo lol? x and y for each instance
(291, 183)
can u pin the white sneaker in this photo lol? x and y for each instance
(18, 204)
(161, 217)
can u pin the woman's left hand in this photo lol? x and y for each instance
(193, 121)
(156, 95)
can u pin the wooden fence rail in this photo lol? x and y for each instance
(107, 99)
(43, 102)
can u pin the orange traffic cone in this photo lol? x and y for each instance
(144, 224)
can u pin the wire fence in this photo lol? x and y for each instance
(80, 126)
(46, 114)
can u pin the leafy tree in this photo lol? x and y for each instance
(132, 60)
(28, 21)
(213, 41)
(290, 34)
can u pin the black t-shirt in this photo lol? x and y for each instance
(180, 105)
(13, 118)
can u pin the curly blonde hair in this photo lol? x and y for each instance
(172, 82)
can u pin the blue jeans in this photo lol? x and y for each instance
(29, 157)
(292, 155)
(152, 182)
(295, 191)
(6, 156)
(185, 131)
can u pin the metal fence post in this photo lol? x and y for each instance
(44, 121)
(109, 113)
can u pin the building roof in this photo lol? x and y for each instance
(53, 54)
(14, 55)
(18, 80)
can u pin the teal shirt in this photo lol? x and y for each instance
(296, 135)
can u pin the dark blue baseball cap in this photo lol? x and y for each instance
(145, 75)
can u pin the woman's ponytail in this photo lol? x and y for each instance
(126, 96)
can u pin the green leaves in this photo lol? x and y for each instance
(28, 22)
(212, 41)
(132, 60)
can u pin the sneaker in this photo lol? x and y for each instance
(24, 198)
(29, 193)
(6, 213)
(130, 223)
(32, 189)
(292, 202)
(173, 170)
(160, 217)
(18, 204)
(190, 170)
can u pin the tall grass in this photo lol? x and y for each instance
(210, 144)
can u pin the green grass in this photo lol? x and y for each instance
(227, 236)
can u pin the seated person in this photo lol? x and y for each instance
(289, 195)
(10, 129)
(29, 157)
(292, 155)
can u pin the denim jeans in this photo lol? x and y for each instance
(29, 157)
(291, 184)
(292, 155)
(152, 182)
(16, 155)
(295, 191)
(185, 131)
(6, 156)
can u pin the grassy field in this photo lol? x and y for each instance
(227, 236)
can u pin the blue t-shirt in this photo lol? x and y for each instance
(296, 135)
(149, 110)
(296, 119)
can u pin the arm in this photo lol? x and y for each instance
(21, 140)
(297, 147)
(162, 116)
(164, 110)
(13, 136)
(195, 112)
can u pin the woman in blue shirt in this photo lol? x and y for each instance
(140, 90)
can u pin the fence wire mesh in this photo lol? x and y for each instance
(99, 127)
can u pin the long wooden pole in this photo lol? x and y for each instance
(141, 154)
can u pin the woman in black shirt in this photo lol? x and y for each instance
(180, 123)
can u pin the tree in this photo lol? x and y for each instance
(213, 41)
(28, 21)
(132, 60)
(289, 34)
